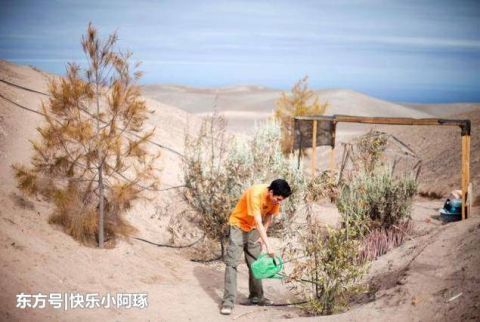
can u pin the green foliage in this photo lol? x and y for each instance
(372, 197)
(330, 273)
(375, 199)
(216, 175)
(375, 207)
(75, 145)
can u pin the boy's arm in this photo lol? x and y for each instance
(268, 221)
(263, 233)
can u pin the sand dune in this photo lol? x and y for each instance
(245, 105)
(415, 281)
(252, 99)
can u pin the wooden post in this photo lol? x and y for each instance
(332, 152)
(465, 173)
(296, 133)
(332, 159)
(314, 148)
(469, 199)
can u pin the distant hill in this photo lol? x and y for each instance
(446, 110)
(256, 99)
(243, 106)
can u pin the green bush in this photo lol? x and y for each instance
(330, 273)
(375, 199)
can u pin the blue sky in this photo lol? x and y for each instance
(410, 51)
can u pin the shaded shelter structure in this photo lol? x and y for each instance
(313, 131)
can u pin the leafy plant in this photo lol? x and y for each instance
(374, 200)
(330, 272)
(91, 161)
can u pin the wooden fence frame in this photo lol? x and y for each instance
(465, 126)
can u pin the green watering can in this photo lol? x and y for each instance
(267, 267)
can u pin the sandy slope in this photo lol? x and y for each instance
(414, 281)
(440, 149)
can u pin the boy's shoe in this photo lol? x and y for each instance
(260, 301)
(226, 310)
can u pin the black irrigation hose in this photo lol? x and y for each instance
(46, 94)
(168, 245)
(182, 246)
(21, 106)
(286, 304)
(207, 260)
(40, 113)
(24, 88)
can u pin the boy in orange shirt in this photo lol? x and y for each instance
(249, 222)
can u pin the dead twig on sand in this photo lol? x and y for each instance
(247, 313)
(455, 297)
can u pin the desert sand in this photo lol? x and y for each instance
(433, 276)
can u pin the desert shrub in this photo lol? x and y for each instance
(301, 101)
(370, 149)
(216, 174)
(322, 186)
(87, 161)
(209, 188)
(375, 199)
(371, 197)
(329, 273)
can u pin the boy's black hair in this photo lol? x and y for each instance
(280, 187)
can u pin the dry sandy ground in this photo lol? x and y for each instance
(414, 282)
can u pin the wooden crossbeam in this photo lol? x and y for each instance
(465, 126)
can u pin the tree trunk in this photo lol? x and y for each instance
(222, 247)
(101, 219)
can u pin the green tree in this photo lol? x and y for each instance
(91, 160)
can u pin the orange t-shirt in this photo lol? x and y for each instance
(253, 200)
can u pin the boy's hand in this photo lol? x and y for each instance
(270, 252)
(265, 248)
(260, 241)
